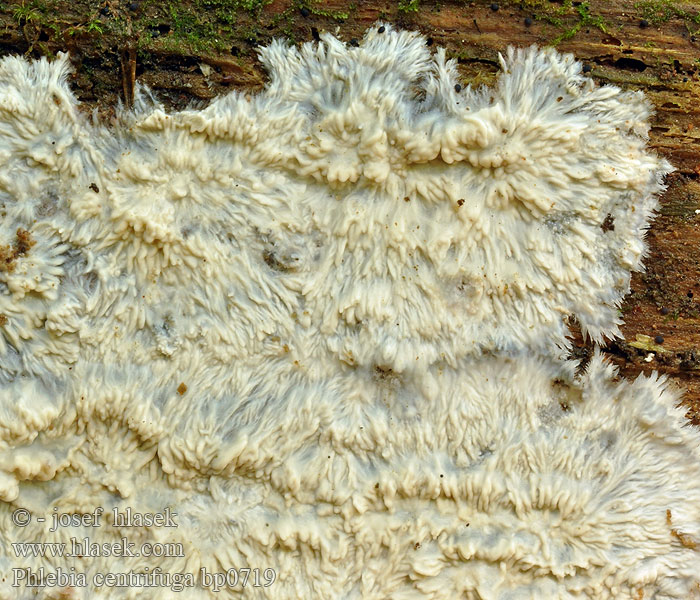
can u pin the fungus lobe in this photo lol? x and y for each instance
(365, 276)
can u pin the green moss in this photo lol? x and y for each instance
(226, 10)
(406, 6)
(658, 12)
(585, 19)
(29, 13)
(315, 9)
(39, 16)
(54, 29)
(196, 27)
(192, 26)
(569, 17)
(94, 26)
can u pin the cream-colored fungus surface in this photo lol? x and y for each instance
(325, 326)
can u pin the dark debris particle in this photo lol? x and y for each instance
(314, 34)
(689, 294)
(354, 43)
(621, 349)
(608, 223)
(104, 11)
(458, 88)
(528, 22)
(134, 6)
(659, 339)
(644, 23)
(494, 6)
(305, 12)
(235, 51)
(587, 68)
(23, 243)
(383, 372)
(281, 264)
(382, 29)
(689, 360)
(664, 310)
(94, 188)
(664, 358)
(460, 202)
(429, 41)
(9, 254)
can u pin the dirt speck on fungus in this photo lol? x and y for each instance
(686, 540)
(10, 253)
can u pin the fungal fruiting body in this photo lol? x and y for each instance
(326, 327)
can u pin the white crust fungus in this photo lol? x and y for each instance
(325, 325)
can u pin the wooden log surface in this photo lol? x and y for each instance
(193, 51)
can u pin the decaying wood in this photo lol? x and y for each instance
(128, 64)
